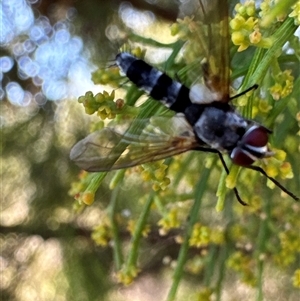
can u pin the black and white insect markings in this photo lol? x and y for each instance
(215, 124)
(205, 121)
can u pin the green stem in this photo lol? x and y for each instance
(117, 249)
(262, 240)
(252, 69)
(178, 273)
(281, 8)
(182, 171)
(211, 265)
(151, 42)
(136, 237)
(175, 50)
(222, 268)
(260, 282)
(262, 59)
(280, 37)
(95, 181)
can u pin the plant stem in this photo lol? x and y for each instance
(140, 225)
(281, 36)
(178, 273)
(117, 250)
(223, 255)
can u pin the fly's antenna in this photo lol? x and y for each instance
(254, 87)
(259, 169)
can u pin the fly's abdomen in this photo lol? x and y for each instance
(157, 84)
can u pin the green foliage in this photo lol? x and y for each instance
(160, 221)
(247, 240)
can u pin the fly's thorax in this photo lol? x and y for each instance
(219, 128)
(201, 94)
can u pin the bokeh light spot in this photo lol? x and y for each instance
(6, 63)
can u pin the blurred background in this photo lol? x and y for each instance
(48, 51)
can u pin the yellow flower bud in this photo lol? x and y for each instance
(237, 23)
(280, 155)
(286, 170)
(237, 38)
(255, 37)
(296, 278)
(250, 9)
(271, 170)
(87, 198)
(99, 97)
(174, 29)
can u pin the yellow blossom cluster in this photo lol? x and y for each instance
(102, 103)
(242, 264)
(245, 27)
(283, 85)
(110, 76)
(157, 173)
(296, 278)
(79, 192)
(296, 13)
(183, 28)
(102, 234)
(169, 221)
(276, 166)
(188, 29)
(107, 76)
(205, 294)
(131, 227)
(127, 275)
(200, 236)
(290, 247)
(195, 264)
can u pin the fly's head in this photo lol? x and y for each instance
(227, 131)
(252, 146)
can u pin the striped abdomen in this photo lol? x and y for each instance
(156, 83)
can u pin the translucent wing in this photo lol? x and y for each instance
(110, 148)
(211, 34)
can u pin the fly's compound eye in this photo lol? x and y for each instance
(253, 146)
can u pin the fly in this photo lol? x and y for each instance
(205, 120)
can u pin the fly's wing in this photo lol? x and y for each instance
(110, 149)
(212, 36)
